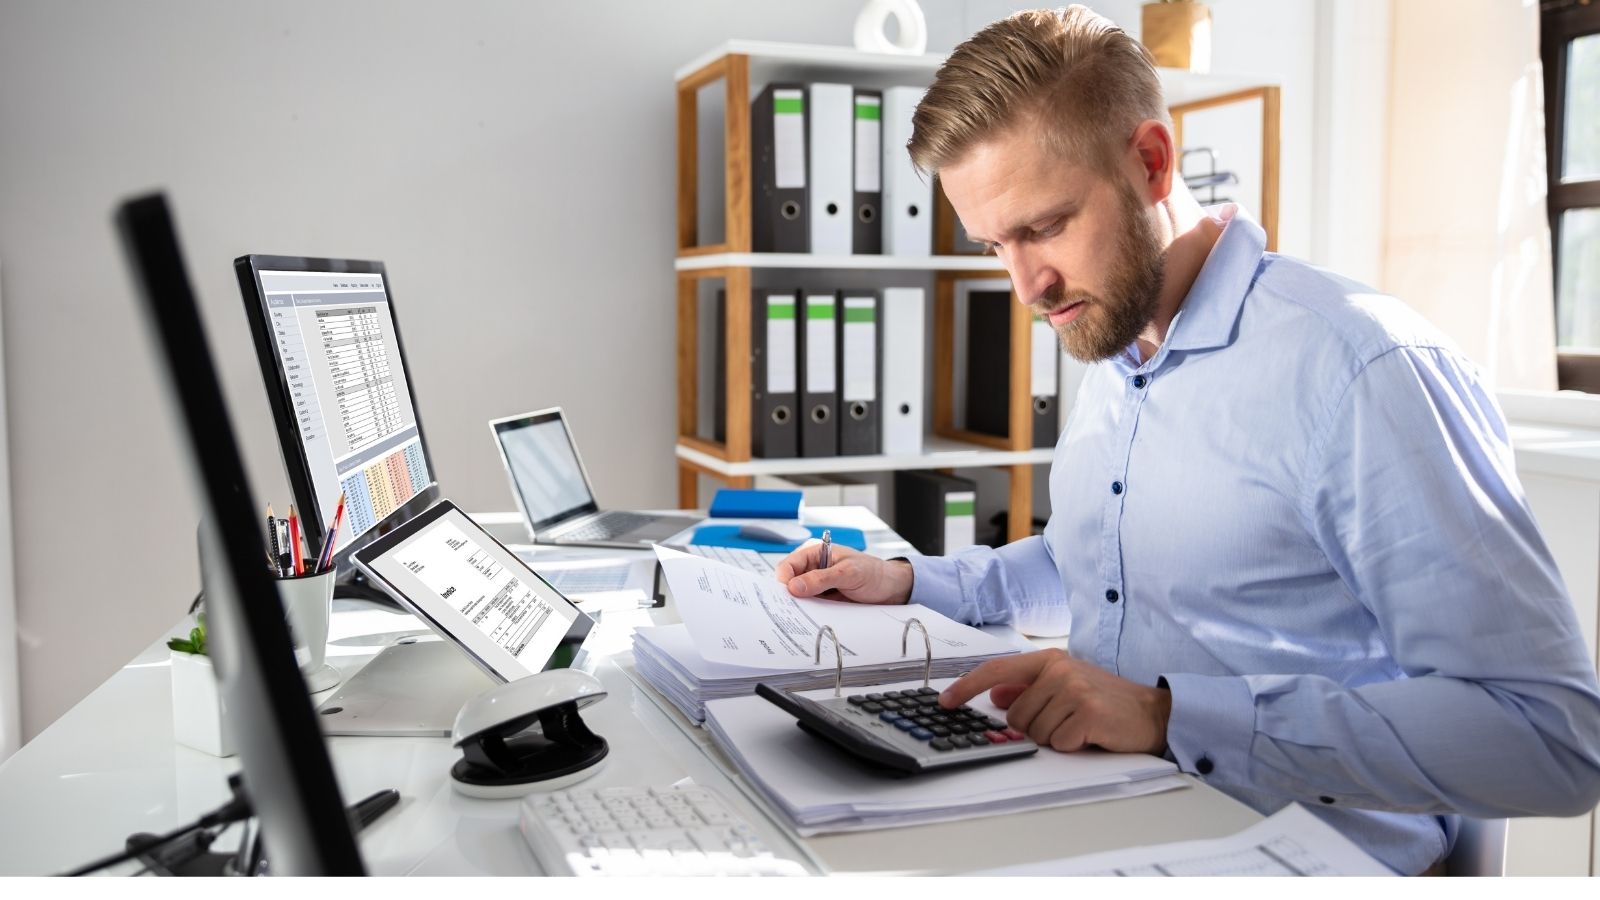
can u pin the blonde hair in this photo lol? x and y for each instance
(1070, 71)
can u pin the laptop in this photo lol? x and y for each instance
(554, 494)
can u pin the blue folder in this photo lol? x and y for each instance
(737, 503)
(728, 536)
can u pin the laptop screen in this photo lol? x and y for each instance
(544, 468)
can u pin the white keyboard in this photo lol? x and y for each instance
(684, 830)
(738, 557)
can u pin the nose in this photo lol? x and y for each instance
(1031, 277)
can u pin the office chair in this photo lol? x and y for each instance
(1480, 849)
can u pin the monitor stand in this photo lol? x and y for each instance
(413, 688)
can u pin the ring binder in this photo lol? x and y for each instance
(838, 658)
(927, 644)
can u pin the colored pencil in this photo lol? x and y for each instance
(294, 541)
(325, 558)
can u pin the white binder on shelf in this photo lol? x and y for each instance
(832, 166)
(960, 520)
(903, 375)
(907, 195)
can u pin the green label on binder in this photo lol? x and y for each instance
(822, 309)
(860, 314)
(959, 505)
(780, 310)
(869, 111)
(782, 105)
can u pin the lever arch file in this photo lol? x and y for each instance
(858, 374)
(778, 219)
(774, 373)
(832, 145)
(903, 377)
(867, 227)
(819, 392)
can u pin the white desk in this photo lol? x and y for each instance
(109, 768)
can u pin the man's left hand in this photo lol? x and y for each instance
(1067, 704)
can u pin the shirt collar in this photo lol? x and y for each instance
(1209, 311)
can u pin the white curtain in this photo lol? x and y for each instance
(10, 717)
(1467, 235)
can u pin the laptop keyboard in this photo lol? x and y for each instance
(608, 526)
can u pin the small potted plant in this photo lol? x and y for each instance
(198, 717)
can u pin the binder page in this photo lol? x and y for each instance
(748, 619)
(1291, 841)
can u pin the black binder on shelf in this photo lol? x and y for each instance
(779, 222)
(934, 511)
(719, 366)
(819, 374)
(860, 374)
(866, 235)
(1044, 382)
(988, 395)
(774, 368)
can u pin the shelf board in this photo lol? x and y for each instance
(777, 61)
(939, 453)
(866, 261)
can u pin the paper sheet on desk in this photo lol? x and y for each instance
(822, 790)
(747, 619)
(1291, 841)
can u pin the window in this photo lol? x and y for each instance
(1570, 48)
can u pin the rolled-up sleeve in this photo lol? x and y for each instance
(1017, 584)
(1412, 493)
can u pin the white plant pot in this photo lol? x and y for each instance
(198, 718)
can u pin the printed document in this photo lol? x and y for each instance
(747, 619)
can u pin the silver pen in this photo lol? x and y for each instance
(827, 549)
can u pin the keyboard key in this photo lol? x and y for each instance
(889, 703)
(941, 744)
(996, 737)
(875, 698)
(957, 728)
(891, 695)
(940, 730)
(959, 742)
(927, 692)
(871, 707)
(996, 725)
(1015, 735)
(856, 699)
(978, 740)
(890, 716)
(921, 734)
(923, 720)
(904, 724)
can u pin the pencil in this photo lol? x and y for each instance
(325, 558)
(294, 542)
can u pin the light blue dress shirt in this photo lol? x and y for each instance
(1303, 513)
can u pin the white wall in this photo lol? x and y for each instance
(513, 164)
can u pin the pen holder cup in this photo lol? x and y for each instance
(308, 601)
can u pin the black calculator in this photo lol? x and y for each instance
(904, 730)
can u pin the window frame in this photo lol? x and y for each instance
(1560, 23)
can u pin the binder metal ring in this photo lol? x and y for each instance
(867, 213)
(1041, 404)
(780, 414)
(858, 410)
(789, 210)
(819, 414)
(927, 645)
(838, 658)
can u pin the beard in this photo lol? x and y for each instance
(1111, 320)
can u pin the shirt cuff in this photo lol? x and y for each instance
(936, 584)
(1211, 727)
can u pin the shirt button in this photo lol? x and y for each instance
(1325, 798)
(1203, 765)
(1138, 381)
(1116, 487)
(1111, 595)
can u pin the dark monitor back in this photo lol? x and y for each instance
(286, 767)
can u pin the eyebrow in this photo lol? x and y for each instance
(1049, 215)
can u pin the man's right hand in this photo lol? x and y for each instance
(851, 575)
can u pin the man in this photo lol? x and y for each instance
(1287, 524)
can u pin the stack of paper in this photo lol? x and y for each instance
(823, 790)
(740, 628)
(666, 658)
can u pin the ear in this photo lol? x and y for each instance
(1157, 161)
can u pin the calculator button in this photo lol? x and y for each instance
(875, 698)
(964, 709)
(996, 737)
(940, 744)
(927, 692)
(957, 728)
(959, 742)
(904, 724)
(940, 730)
(923, 720)
(995, 725)
(921, 734)
(978, 740)
(886, 703)
(1015, 735)
(871, 707)
(856, 699)
(890, 715)
(891, 695)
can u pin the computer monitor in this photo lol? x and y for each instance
(286, 767)
(335, 371)
(551, 483)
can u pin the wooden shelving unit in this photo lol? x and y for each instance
(742, 68)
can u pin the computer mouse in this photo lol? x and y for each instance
(775, 532)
